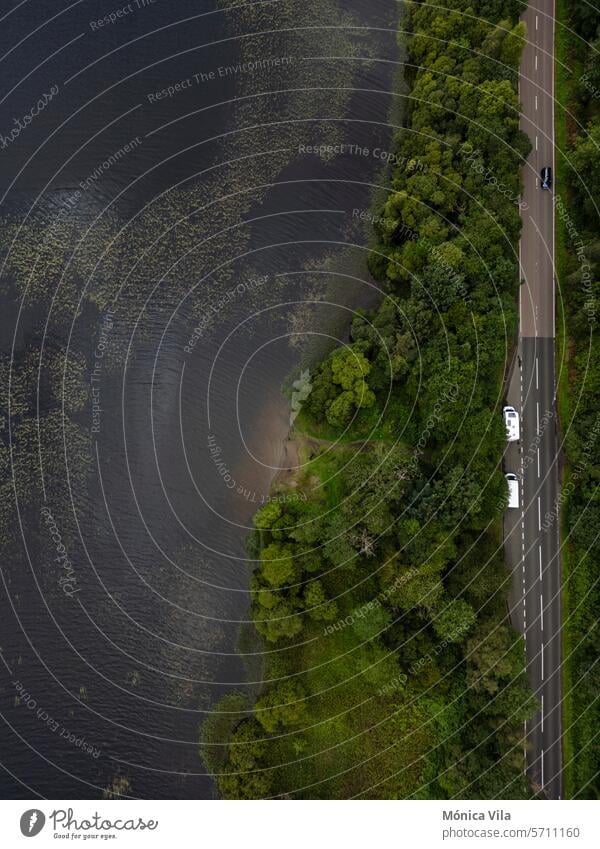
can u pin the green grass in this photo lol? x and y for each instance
(324, 466)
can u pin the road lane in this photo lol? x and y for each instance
(532, 542)
(540, 566)
(536, 90)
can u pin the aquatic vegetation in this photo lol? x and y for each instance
(119, 787)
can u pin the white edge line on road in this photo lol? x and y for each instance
(542, 769)
(553, 297)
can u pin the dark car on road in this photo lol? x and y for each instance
(546, 176)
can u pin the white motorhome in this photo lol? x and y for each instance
(513, 489)
(511, 420)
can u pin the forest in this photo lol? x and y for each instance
(380, 596)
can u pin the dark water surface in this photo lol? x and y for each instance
(168, 299)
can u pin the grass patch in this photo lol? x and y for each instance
(367, 424)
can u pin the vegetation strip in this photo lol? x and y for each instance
(392, 670)
(577, 115)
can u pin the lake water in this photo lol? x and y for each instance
(173, 250)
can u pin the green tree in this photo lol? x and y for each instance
(282, 706)
(340, 411)
(247, 746)
(494, 654)
(277, 564)
(317, 603)
(267, 516)
(243, 780)
(585, 176)
(282, 621)
(453, 621)
(370, 620)
(349, 367)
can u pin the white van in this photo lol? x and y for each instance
(511, 420)
(513, 489)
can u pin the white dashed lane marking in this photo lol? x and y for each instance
(542, 661)
(542, 711)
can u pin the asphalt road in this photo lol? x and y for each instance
(532, 539)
